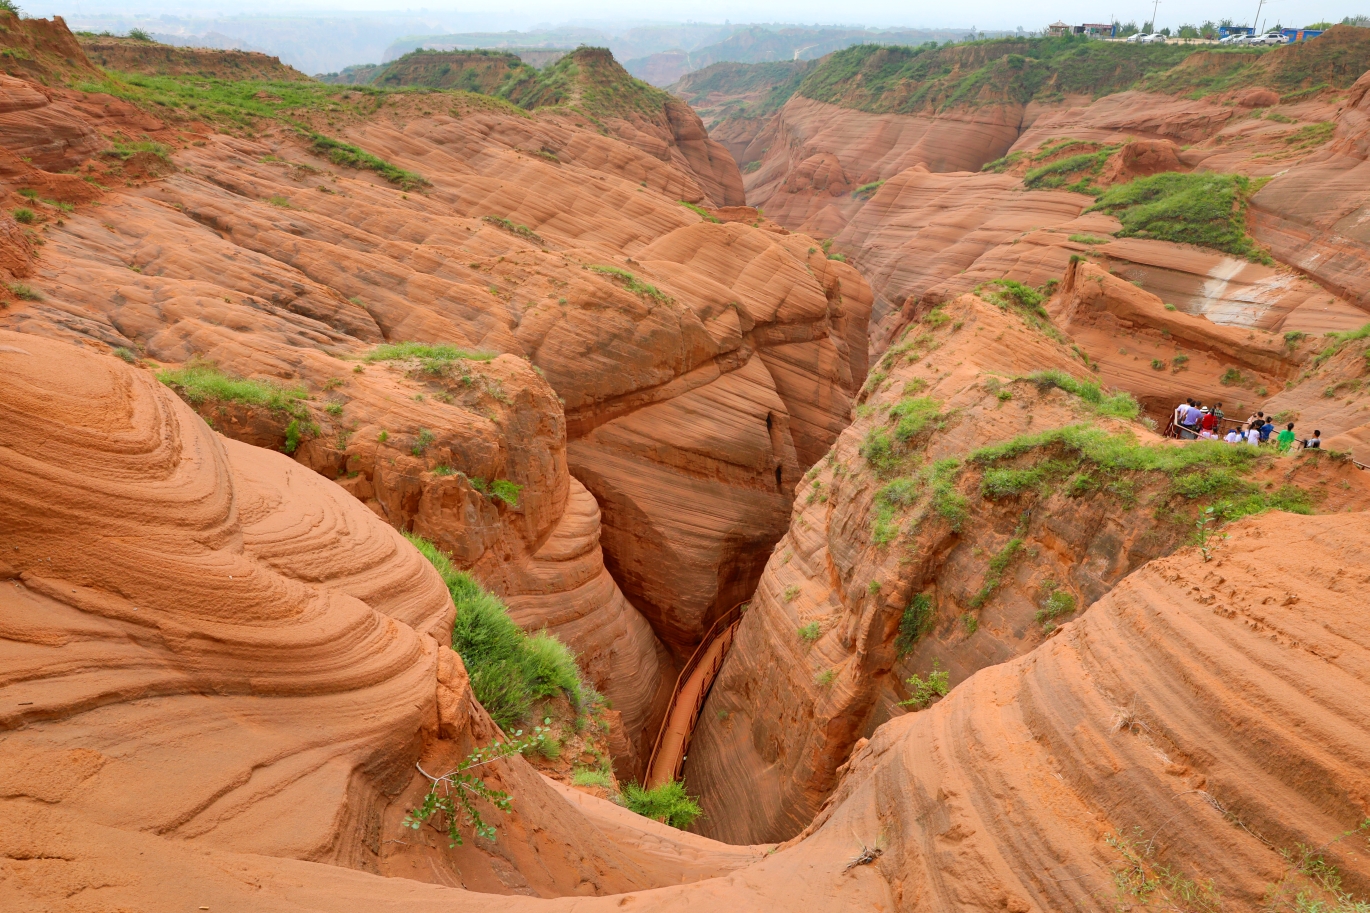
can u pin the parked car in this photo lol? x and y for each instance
(1269, 39)
(1134, 38)
(1153, 39)
(1234, 38)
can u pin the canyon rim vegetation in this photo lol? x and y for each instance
(496, 482)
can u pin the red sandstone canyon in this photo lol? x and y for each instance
(516, 489)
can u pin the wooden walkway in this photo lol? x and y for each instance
(691, 688)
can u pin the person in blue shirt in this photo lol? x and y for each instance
(1266, 430)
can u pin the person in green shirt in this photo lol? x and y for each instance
(1286, 438)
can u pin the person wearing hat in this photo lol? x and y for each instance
(1208, 422)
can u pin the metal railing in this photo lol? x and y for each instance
(724, 628)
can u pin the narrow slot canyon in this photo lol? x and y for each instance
(508, 485)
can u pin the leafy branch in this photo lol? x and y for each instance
(454, 794)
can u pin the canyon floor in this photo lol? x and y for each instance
(393, 478)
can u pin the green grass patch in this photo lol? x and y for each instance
(509, 669)
(1089, 239)
(434, 358)
(668, 803)
(1024, 300)
(24, 292)
(200, 381)
(347, 155)
(866, 191)
(632, 283)
(809, 632)
(994, 576)
(1071, 173)
(523, 231)
(701, 212)
(126, 149)
(1117, 405)
(590, 776)
(1205, 209)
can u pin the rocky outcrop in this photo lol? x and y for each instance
(936, 535)
(210, 643)
(1315, 217)
(865, 147)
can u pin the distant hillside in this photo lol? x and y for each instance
(626, 44)
(765, 44)
(131, 55)
(736, 99)
(908, 80)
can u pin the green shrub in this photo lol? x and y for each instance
(127, 355)
(1206, 209)
(825, 678)
(24, 292)
(509, 670)
(1056, 603)
(506, 491)
(868, 190)
(790, 593)
(125, 149)
(810, 632)
(1089, 239)
(25, 216)
(1157, 364)
(926, 690)
(422, 442)
(916, 621)
(668, 803)
(139, 35)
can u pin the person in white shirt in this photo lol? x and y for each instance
(1253, 436)
(1181, 411)
(1233, 437)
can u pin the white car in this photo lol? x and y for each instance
(1269, 39)
(1153, 39)
(1134, 38)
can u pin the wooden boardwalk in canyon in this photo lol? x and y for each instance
(691, 688)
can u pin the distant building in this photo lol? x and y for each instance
(1057, 29)
(1094, 29)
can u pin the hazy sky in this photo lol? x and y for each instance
(985, 14)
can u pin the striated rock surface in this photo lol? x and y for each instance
(1198, 721)
(207, 642)
(916, 545)
(274, 262)
(1315, 217)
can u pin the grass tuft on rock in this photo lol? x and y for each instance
(200, 380)
(510, 670)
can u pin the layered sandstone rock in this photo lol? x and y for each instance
(211, 643)
(885, 523)
(273, 262)
(167, 748)
(1315, 217)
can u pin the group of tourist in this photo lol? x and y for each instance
(1206, 423)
